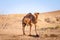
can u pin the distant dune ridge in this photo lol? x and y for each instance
(13, 21)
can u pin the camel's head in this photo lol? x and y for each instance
(36, 14)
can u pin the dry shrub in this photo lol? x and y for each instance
(57, 18)
(51, 35)
(57, 27)
(51, 27)
(47, 20)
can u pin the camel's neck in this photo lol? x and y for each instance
(36, 16)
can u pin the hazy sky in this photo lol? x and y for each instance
(25, 6)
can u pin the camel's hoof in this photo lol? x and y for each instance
(37, 35)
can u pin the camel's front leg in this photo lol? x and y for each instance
(35, 30)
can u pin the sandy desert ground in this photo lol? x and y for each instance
(48, 27)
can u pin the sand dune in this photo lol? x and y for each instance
(11, 27)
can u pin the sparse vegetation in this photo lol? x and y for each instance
(51, 35)
(57, 18)
(51, 27)
(57, 27)
(47, 20)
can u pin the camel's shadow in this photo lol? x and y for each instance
(27, 35)
(34, 35)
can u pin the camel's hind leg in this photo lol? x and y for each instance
(23, 28)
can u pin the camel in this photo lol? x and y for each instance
(30, 19)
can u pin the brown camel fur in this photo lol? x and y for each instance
(28, 20)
